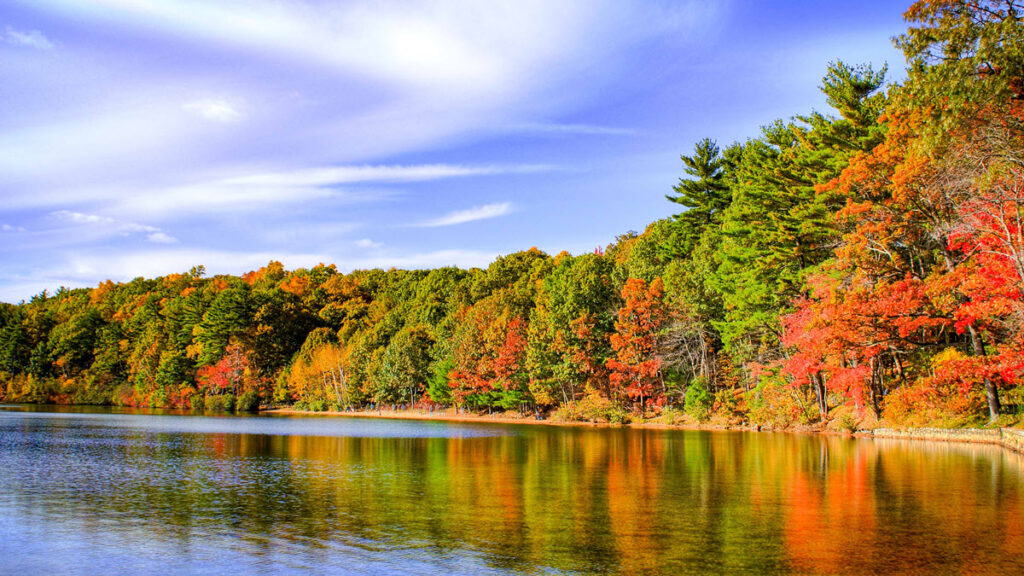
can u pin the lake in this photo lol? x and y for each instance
(107, 492)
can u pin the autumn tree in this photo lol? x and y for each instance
(635, 367)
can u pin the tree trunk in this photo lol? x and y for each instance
(876, 386)
(819, 389)
(991, 392)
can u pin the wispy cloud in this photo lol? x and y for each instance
(9, 228)
(214, 110)
(335, 175)
(260, 190)
(469, 215)
(108, 225)
(26, 39)
(572, 129)
(98, 220)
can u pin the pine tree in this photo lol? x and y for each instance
(705, 194)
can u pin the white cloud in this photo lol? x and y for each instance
(161, 238)
(30, 39)
(333, 83)
(9, 228)
(214, 110)
(103, 221)
(470, 215)
(368, 243)
(453, 47)
(81, 218)
(107, 226)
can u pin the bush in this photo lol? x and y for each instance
(847, 422)
(730, 406)
(698, 400)
(564, 413)
(594, 407)
(196, 402)
(669, 415)
(926, 405)
(248, 402)
(220, 403)
(316, 405)
(776, 404)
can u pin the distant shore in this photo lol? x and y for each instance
(1010, 438)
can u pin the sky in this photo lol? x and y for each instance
(145, 137)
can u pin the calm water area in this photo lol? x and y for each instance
(121, 492)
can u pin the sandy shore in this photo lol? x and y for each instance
(449, 415)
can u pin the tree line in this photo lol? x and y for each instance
(867, 262)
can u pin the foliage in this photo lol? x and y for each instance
(593, 407)
(698, 400)
(220, 403)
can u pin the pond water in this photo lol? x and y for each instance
(108, 492)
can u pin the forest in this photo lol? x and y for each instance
(845, 267)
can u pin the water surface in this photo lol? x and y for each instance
(125, 493)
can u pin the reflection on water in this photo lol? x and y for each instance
(125, 493)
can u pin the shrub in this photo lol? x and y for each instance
(196, 401)
(698, 400)
(594, 407)
(730, 406)
(776, 404)
(248, 402)
(923, 404)
(317, 405)
(669, 415)
(847, 422)
(564, 413)
(220, 403)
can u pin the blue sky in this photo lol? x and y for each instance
(140, 138)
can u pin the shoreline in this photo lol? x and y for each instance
(448, 416)
(1011, 439)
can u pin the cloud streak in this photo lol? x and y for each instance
(25, 39)
(255, 191)
(336, 175)
(484, 212)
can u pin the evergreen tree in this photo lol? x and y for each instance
(704, 194)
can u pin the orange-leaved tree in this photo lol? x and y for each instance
(635, 368)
